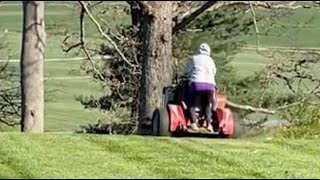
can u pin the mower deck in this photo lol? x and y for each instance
(201, 131)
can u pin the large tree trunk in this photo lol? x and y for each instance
(32, 67)
(156, 36)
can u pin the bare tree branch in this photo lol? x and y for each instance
(108, 30)
(303, 101)
(95, 4)
(286, 79)
(267, 111)
(186, 21)
(72, 47)
(4, 66)
(9, 106)
(255, 24)
(9, 124)
(314, 90)
(103, 34)
(249, 108)
(92, 64)
(189, 15)
(266, 4)
(82, 42)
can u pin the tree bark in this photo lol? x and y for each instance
(135, 13)
(32, 67)
(156, 36)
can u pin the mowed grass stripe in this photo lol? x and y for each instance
(89, 156)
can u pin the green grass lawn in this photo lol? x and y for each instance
(249, 61)
(53, 45)
(299, 27)
(295, 28)
(62, 18)
(62, 111)
(86, 156)
(59, 20)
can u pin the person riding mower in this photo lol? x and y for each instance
(192, 102)
(201, 71)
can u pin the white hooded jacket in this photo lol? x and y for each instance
(202, 68)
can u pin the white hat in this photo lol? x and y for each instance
(205, 49)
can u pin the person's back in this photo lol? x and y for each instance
(203, 69)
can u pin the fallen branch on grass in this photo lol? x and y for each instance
(267, 111)
(249, 108)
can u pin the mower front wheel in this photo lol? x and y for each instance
(161, 122)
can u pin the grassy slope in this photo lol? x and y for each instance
(78, 156)
(299, 29)
(63, 113)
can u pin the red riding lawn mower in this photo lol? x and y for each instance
(173, 118)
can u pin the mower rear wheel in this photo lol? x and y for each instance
(161, 122)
